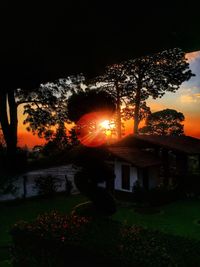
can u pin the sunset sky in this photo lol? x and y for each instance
(185, 100)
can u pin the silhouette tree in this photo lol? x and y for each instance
(134, 81)
(164, 122)
(73, 138)
(87, 109)
(83, 102)
(113, 82)
(2, 140)
(154, 75)
(47, 108)
(59, 141)
(44, 107)
(8, 120)
(128, 111)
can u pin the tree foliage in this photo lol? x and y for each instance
(132, 82)
(128, 112)
(94, 170)
(164, 122)
(46, 108)
(83, 102)
(113, 82)
(154, 75)
(59, 141)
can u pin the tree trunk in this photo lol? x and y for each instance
(137, 110)
(4, 116)
(13, 125)
(119, 123)
(8, 120)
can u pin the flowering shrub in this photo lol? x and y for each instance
(42, 242)
(54, 226)
(61, 240)
(138, 249)
(141, 247)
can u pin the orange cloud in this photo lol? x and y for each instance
(191, 98)
(155, 106)
(192, 56)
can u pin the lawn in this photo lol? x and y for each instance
(28, 210)
(179, 218)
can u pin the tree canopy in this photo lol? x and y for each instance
(83, 102)
(154, 75)
(164, 122)
(128, 84)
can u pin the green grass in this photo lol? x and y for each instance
(29, 209)
(5, 263)
(177, 218)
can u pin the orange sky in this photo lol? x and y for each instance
(185, 100)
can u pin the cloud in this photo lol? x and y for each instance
(155, 106)
(192, 98)
(193, 56)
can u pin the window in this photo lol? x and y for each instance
(126, 177)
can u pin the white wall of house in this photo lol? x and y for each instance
(153, 174)
(118, 175)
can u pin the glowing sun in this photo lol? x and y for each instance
(105, 124)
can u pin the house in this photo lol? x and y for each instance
(152, 159)
(180, 155)
(131, 165)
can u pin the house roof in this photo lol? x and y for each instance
(137, 157)
(183, 144)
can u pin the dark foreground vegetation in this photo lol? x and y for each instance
(55, 239)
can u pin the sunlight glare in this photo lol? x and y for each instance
(105, 124)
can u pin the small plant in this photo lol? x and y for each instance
(7, 184)
(47, 185)
(139, 193)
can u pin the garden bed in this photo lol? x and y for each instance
(58, 240)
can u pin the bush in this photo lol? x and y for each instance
(101, 197)
(189, 184)
(152, 248)
(139, 193)
(47, 185)
(59, 240)
(41, 243)
(141, 249)
(156, 196)
(162, 195)
(6, 184)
